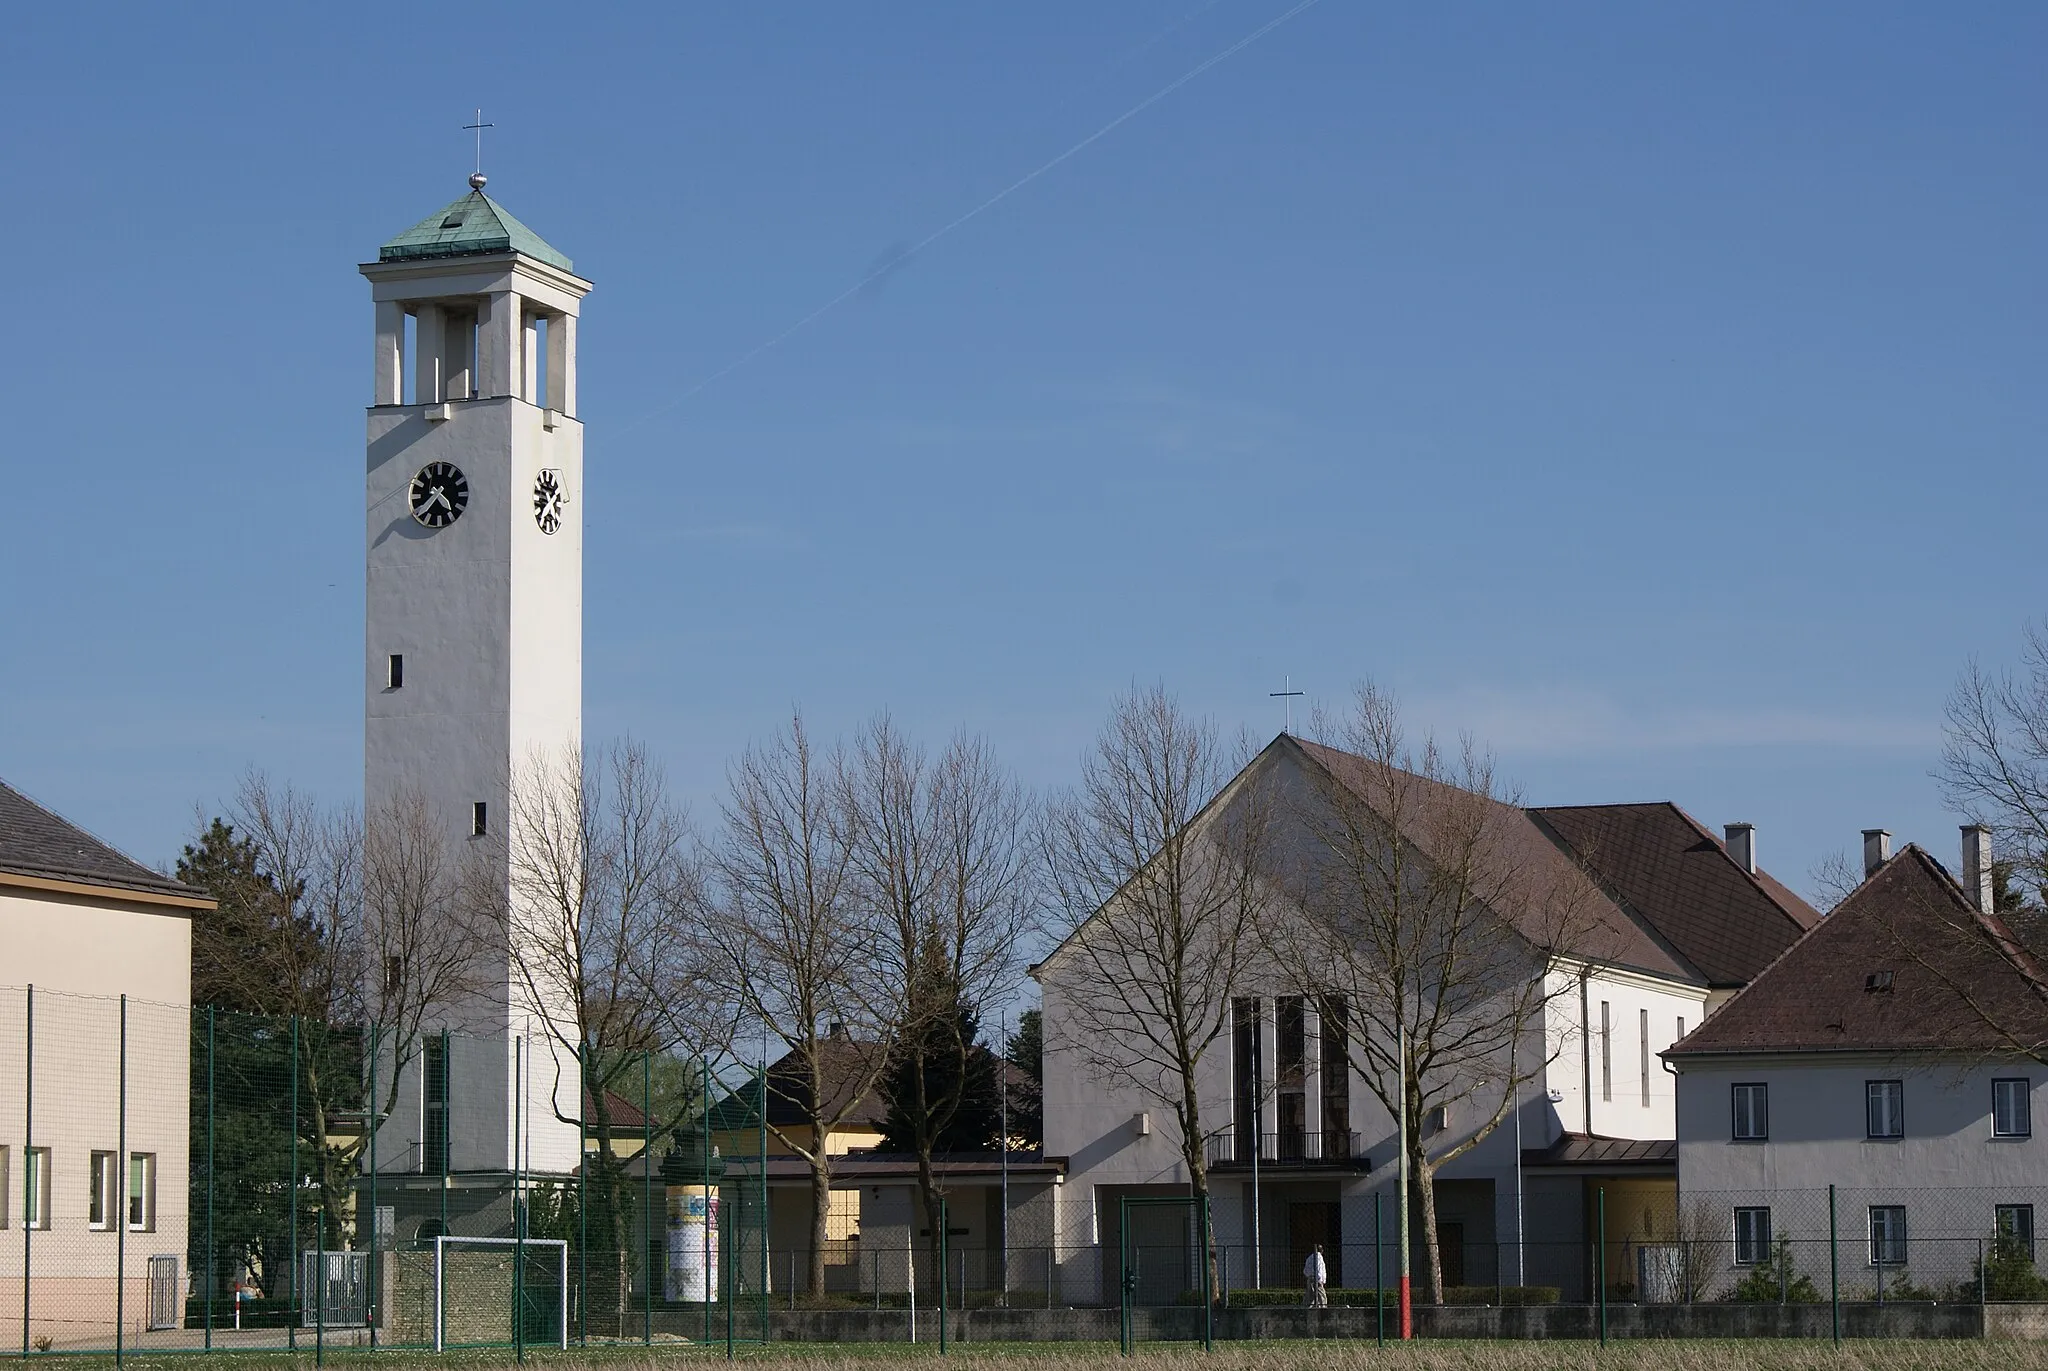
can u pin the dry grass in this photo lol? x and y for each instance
(1762, 1355)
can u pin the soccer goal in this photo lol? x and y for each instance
(496, 1290)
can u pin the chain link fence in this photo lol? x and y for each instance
(177, 1179)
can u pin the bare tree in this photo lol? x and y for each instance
(1156, 859)
(1994, 767)
(599, 914)
(938, 851)
(807, 960)
(1443, 921)
(360, 941)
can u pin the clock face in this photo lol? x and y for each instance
(548, 500)
(440, 492)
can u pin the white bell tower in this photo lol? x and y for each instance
(474, 643)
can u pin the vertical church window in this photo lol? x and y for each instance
(1643, 1031)
(476, 820)
(1606, 1050)
(394, 673)
(1245, 1077)
(434, 1130)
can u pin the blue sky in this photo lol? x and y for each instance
(1654, 392)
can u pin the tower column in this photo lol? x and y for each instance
(429, 337)
(562, 364)
(529, 359)
(388, 378)
(500, 324)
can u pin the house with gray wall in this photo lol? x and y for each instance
(1895, 1053)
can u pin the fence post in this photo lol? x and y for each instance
(761, 1161)
(319, 1284)
(1600, 1259)
(291, 1333)
(31, 1186)
(212, 1260)
(1980, 1274)
(647, 1208)
(518, 1206)
(1834, 1271)
(446, 1087)
(370, 1296)
(942, 1275)
(583, 1199)
(119, 1217)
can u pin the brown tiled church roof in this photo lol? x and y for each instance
(1675, 875)
(1905, 964)
(1517, 841)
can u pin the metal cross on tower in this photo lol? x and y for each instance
(1289, 694)
(479, 126)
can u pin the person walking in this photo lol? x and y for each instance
(1317, 1276)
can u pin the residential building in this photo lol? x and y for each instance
(95, 1061)
(1896, 1054)
(877, 1228)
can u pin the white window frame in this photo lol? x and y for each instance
(103, 1199)
(1759, 1112)
(2015, 1093)
(1752, 1248)
(1887, 1248)
(1892, 1126)
(138, 1202)
(36, 1180)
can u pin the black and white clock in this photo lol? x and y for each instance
(548, 499)
(439, 494)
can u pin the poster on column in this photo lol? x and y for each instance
(692, 1245)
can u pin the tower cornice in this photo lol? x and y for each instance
(439, 277)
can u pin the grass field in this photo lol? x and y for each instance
(1786, 1355)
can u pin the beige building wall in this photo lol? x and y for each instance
(82, 949)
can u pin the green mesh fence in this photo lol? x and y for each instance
(175, 1179)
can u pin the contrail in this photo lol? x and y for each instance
(897, 259)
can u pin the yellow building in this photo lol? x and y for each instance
(95, 1060)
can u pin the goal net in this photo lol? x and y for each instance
(495, 1291)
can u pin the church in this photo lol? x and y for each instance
(473, 665)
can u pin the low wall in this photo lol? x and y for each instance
(2016, 1321)
(1534, 1322)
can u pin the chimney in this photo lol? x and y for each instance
(1977, 866)
(1742, 845)
(1877, 850)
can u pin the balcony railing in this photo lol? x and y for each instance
(1230, 1150)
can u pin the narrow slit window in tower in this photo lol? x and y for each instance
(476, 820)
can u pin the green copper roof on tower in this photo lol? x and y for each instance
(473, 225)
